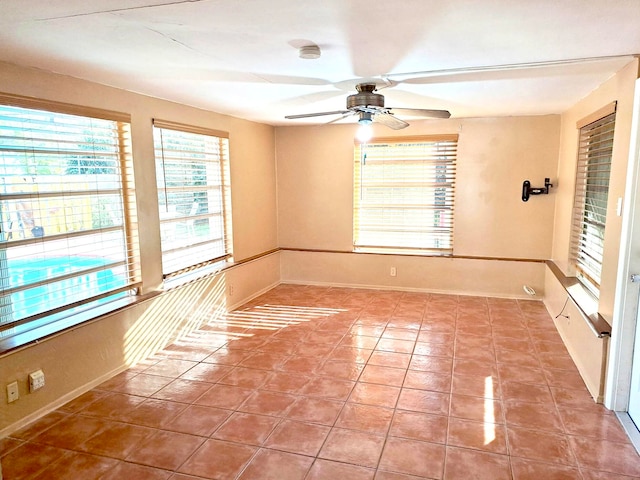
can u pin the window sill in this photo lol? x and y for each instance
(34, 332)
(196, 274)
(583, 299)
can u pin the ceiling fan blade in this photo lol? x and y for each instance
(390, 121)
(307, 115)
(422, 112)
(347, 114)
(219, 75)
(302, 101)
(495, 72)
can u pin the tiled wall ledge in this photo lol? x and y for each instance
(585, 302)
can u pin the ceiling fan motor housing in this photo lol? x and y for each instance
(365, 97)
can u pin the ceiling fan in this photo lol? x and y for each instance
(369, 106)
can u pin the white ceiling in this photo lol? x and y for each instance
(240, 57)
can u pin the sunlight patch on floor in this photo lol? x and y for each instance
(489, 413)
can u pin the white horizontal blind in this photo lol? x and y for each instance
(404, 192)
(67, 209)
(192, 170)
(590, 204)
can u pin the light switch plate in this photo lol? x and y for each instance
(12, 392)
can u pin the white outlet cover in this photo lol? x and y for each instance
(36, 380)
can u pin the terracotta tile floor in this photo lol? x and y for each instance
(332, 383)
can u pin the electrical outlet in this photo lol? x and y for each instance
(231, 289)
(393, 271)
(12, 392)
(36, 380)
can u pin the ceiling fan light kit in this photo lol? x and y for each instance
(364, 133)
(366, 118)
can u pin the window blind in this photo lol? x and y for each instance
(404, 192)
(67, 208)
(591, 198)
(192, 170)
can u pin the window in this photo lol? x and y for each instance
(592, 190)
(67, 209)
(404, 195)
(192, 170)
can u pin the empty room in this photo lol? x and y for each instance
(319, 240)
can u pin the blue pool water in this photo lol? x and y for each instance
(47, 293)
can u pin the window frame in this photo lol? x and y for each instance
(587, 239)
(50, 319)
(446, 160)
(160, 129)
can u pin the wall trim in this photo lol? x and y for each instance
(454, 257)
(252, 258)
(213, 269)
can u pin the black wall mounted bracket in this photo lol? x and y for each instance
(528, 190)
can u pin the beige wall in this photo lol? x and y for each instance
(495, 155)
(431, 274)
(75, 361)
(589, 352)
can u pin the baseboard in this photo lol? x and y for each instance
(409, 289)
